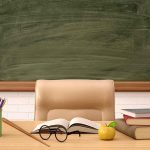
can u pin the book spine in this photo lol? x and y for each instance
(126, 129)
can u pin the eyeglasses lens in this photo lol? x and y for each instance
(61, 134)
(45, 132)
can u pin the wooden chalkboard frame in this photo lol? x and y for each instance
(29, 86)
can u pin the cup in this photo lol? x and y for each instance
(0, 122)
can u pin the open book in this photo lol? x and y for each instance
(76, 124)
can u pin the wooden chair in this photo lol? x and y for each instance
(91, 99)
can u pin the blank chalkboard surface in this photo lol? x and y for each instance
(81, 39)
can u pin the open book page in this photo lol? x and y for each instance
(79, 120)
(55, 122)
(83, 125)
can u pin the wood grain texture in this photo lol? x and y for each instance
(132, 86)
(75, 39)
(23, 131)
(14, 86)
(15, 140)
(29, 86)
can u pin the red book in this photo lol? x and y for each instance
(136, 120)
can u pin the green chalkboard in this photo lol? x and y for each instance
(81, 39)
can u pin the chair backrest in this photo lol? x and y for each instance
(91, 99)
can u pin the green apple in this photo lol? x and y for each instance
(107, 132)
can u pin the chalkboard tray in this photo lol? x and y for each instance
(29, 86)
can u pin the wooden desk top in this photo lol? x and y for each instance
(13, 139)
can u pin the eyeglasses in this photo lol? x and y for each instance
(60, 133)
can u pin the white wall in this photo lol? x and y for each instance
(131, 100)
(20, 105)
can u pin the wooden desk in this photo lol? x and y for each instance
(13, 139)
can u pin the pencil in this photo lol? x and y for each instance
(2, 103)
(23, 131)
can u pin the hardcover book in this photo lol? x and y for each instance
(137, 121)
(136, 132)
(136, 112)
(76, 124)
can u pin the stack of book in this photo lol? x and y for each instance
(135, 123)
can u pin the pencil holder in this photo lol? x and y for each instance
(0, 122)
